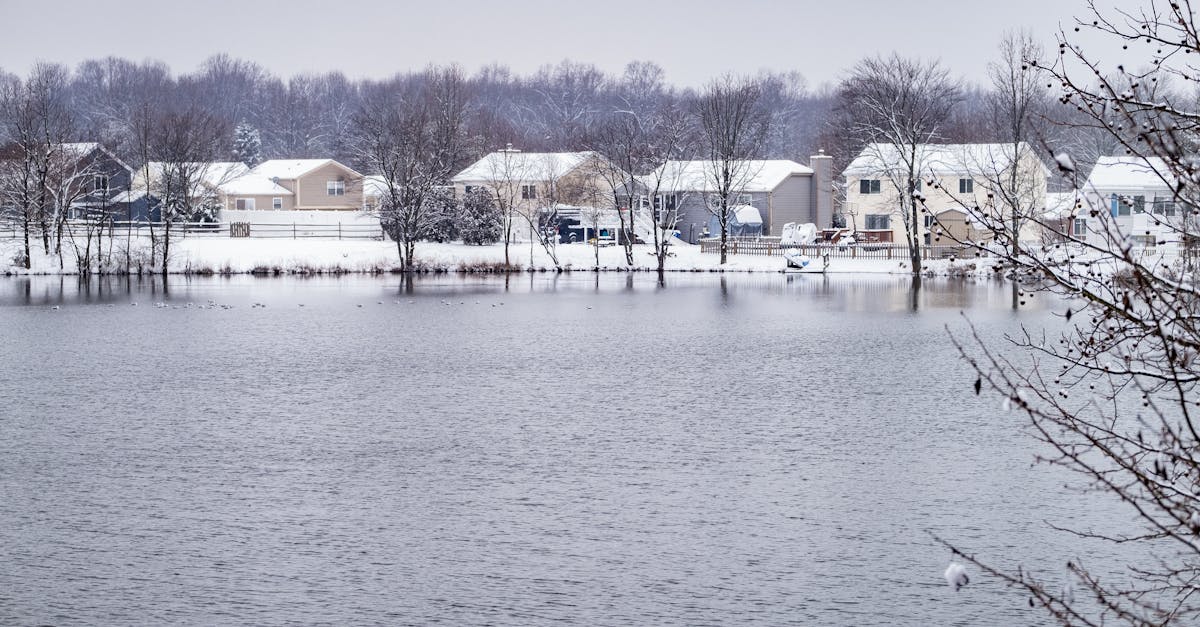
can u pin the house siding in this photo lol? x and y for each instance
(790, 202)
(261, 202)
(311, 194)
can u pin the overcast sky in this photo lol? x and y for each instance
(692, 40)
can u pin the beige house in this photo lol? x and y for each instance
(525, 184)
(294, 185)
(967, 195)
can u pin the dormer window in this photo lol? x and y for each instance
(335, 188)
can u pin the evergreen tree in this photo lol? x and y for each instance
(247, 145)
(479, 220)
(443, 216)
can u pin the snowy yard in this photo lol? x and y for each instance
(201, 254)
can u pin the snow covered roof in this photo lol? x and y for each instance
(759, 176)
(514, 165)
(1059, 204)
(878, 158)
(290, 168)
(746, 214)
(373, 185)
(80, 150)
(213, 174)
(253, 184)
(1117, 174)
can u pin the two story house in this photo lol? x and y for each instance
(90, 181)
(967, 194)
(528, 186)
(1138, 195)
(779, 191)
(293, 185)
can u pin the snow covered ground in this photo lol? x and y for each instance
(205, 254)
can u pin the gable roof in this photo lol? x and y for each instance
(696, 176)
(1129, 173)
(295, 168)
(881, 158)
(515, 165)
(213, 174)
(252, 184)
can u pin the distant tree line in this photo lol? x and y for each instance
(559, 107)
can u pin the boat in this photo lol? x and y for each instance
(799, 262)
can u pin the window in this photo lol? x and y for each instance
(529, 192)
(100, 183)
(930, 221)
(665, 202)
(1079, 228)
(335, 188)
(745, 199)
(467, 189)
(868, 186)
(277, 203)
(1164, 206)
(244, 204)
(966, 186)
(1126, 205)
(878, 223)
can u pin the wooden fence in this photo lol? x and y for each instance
(339, 231)
(771, 246)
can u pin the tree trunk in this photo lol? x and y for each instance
(28, 250)
(724, 220)
(166, 247)
(914, 240)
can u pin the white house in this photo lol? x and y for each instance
(968, 176)
(1136, 193)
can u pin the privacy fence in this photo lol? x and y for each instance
(771, 246)
(80, 229)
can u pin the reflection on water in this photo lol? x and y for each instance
(595, 449)
(858, 293)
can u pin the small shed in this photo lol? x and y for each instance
(744, 221)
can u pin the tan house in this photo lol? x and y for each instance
(294, 185)
(966, 195)
(526, 184)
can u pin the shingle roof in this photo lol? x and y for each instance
(759, 176)
(514, 165)
(878, 158)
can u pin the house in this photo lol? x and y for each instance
(967, 192)
(528, 184)
(1137, 193)
(91, 180)
(781, 191)
(293, 185)
(206, 179)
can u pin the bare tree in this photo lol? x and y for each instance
(412, 136)
(186, 143)
(1113, 397)
(893, 106)
(733, 131)
(638, 141)
(1018, 103)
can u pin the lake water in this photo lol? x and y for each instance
(598, 450)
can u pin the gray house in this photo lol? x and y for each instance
(782, 191)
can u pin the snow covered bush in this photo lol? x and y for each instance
(479, 218)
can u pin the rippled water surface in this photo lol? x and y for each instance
(593, 450)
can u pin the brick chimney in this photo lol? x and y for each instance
(822, 189)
